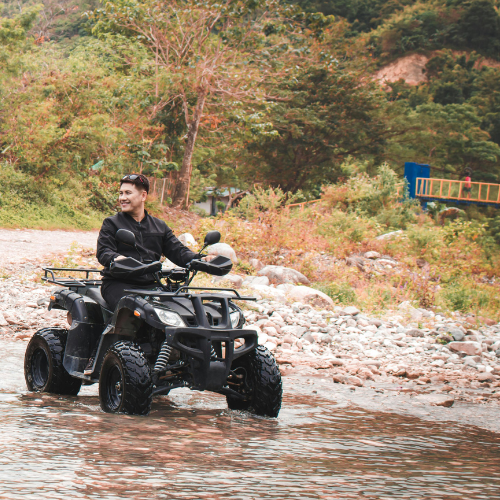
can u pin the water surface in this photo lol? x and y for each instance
(192, 447)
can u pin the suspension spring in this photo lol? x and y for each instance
(213, 354)
(163, 357)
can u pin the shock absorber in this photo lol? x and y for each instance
(163, 357)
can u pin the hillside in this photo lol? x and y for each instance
(289, 115)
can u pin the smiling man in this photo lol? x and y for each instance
(153, 235)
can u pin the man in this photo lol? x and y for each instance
(153, 236)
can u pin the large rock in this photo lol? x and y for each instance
(436, 400)
(223, 249)
(372, 255)
(389, 236)
(256, 280)
(187, 239)
(279, 275)
(296, 330)
(309, 295)
(373, 353)
(351, 310)
(235, 280)
(469, 348)
(415, 332)
(486, 377)
(457, 334)
(256, 264)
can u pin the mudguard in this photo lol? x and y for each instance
(86, 327)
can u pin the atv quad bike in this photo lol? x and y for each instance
(171, 336)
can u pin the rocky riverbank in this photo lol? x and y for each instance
(409, 350)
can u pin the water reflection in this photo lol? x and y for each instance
(192, 447)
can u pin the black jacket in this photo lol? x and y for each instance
(151, 233)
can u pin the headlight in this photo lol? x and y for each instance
(169, 317)
(235, 318)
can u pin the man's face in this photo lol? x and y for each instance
(131, 199)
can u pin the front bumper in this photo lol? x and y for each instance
(212, 352)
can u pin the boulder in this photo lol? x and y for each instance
(414, 373)
(372, 255)
(468, 348)
(308, 337)
(309, 295)
(486, 377)
(336, 362)
(296, 330)
(285, 287)
(389, 236)
(436, 400)
(415, 332)
(257, 280)
(223, 249)
(373, 353)
(356, 260)
(351, 310)
(187, 239)
(356, 381)
(256, 264)
(457, 334)
(236, 281)
(279, 275)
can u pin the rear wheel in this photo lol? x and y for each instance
(260, 383)
(125, 384)
(43, 364)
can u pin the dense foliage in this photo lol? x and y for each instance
(277, 102)
(258, 93)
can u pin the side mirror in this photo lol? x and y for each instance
(212, 238)
(126, 237)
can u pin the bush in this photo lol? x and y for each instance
(341, 293)
(466, 296)
(375, 197)
(264, 200)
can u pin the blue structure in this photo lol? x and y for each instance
(412, 172)
(447, 190)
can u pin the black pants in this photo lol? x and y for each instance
(113, 290)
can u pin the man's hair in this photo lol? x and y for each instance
(138, 180)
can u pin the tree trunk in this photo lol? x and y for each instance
(181, 190)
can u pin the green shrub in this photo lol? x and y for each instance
(339, 292)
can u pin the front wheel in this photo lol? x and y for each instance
(125, 384)
(261, 383)
(43, 364)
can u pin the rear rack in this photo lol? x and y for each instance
(154, 293)
(69, 281)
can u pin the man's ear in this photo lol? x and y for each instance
(144, 195)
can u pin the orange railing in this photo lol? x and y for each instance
(447, 189)
(301, 205)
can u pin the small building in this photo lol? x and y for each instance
(218, 199)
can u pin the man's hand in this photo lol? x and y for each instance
(208, 258)
(120, 257)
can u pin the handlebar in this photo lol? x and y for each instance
(132, 268)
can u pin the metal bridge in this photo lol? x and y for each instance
(481, 193)
(421, 186)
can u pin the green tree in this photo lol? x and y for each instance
(209, 53)
(323, 115)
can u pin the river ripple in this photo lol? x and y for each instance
(192, 447)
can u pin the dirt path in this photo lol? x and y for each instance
(17, 245)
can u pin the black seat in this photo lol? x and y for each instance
(95, 294)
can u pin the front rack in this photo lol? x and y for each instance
(154, 293)
(69, 281)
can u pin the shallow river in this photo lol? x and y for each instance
(191, 446)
